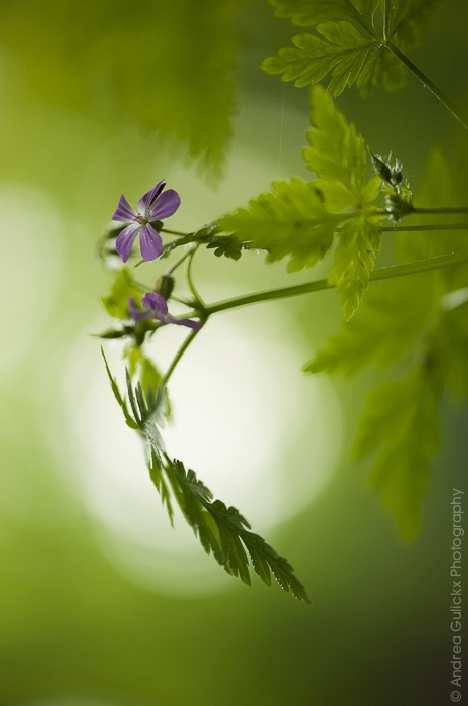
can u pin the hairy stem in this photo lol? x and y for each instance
(426, 82)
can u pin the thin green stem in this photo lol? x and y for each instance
(381, 273)
(173, 232)
(422, 228)
(449, 209)
(195, 293)
(426, 82)
(179, 356)
(179, 262)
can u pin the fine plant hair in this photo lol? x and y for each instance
(353, 199)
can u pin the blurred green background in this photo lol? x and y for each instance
(102, 603)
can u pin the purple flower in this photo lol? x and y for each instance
(157, 309)
(154, 205)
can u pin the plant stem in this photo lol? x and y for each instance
(173, 232)
(178, 356)
(191, 283)
(381, 273)
(426, 82)
(449, 209)
(429, 226)
(179, 262)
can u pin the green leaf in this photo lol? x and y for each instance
(226, 534)
(123, 287)
(290, 221)
(338, 155)
(338, 51)
(132, 423)
(347, 45)
(400, 435)
(355, 255)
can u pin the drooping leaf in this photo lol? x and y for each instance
(290, 221)
(226, 534)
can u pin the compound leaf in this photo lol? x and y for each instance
(289, 221)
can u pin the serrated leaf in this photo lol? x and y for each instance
(338, 155)
(347, 45)
(123, 287)
(399, 433)
(290, 221)
(224, 532)
(355, 255)
(338, 51)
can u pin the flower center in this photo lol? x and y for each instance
(142, 219)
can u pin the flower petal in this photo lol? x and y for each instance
(146, 200)
(124, 241)
(151, 245)
(124, 211)
(165, 205)
(155, 301)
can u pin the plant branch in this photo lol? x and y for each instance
(381, 273)
(426, 82)
(178, 357)
(422, 228)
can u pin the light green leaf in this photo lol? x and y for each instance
(399, 433)
(123, 287)
(355, 255)
(338, 155)
(290, 221)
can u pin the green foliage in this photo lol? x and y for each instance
(123, 287)
(346, 46)
(290, 221)
(355, 256)
(153, 75)
(399, 434)
(301, 220)
(228, 246)
(338, 155)
(222, 530)
(417, 328)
